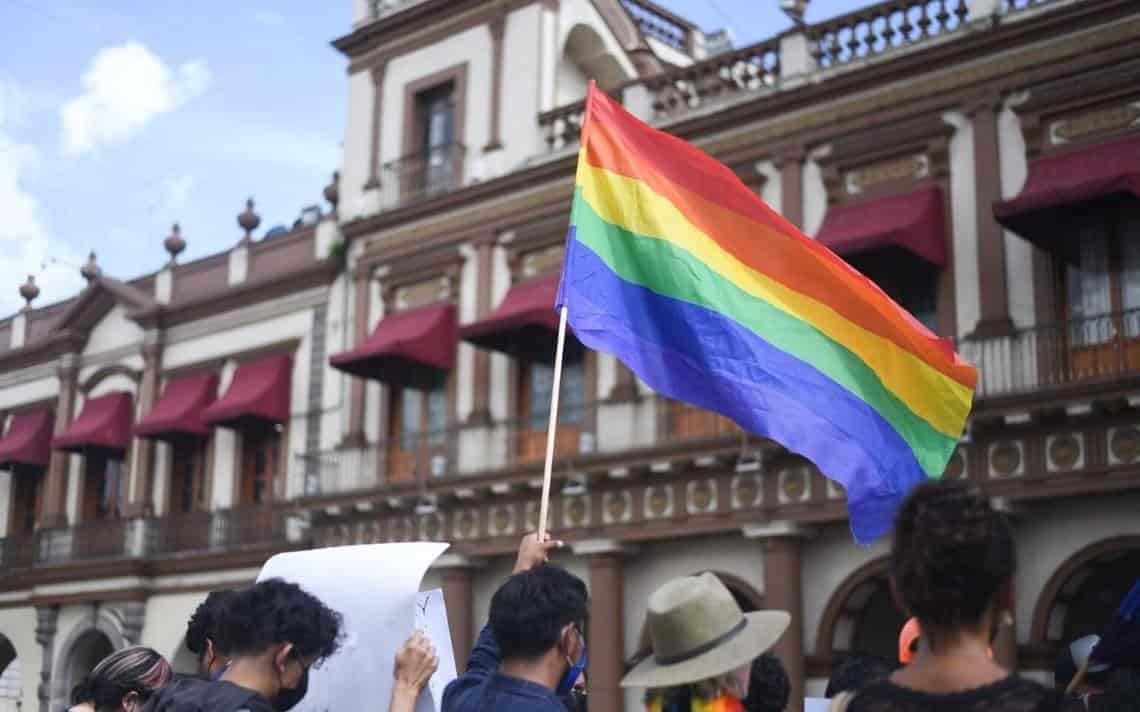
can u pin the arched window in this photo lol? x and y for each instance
(861, 616)
(1082, 596)
(85, 654)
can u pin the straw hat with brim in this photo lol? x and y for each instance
(698, 631)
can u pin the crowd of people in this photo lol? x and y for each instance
(951, 568)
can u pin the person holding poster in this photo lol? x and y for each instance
(533, 649)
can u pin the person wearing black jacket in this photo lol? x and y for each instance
(272, 634)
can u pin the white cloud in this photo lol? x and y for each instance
(170, 199)
(125, 88)
(25, 242)
(267, 18)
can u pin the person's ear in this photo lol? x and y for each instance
(131, 701)
(281, 659)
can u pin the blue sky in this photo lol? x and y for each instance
(116, 122)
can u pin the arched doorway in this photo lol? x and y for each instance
(85, 653)
(1084, 593)
(11, 677)
(861, 616)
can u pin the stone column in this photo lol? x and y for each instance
(458, 595)
(994, 294)
(783, 590)
(47, 618)
(498, 27)
(53, 514)
(377, 74)
(140, 489)
(789, 160)
(606, 634)
(134, 617)
(361, 286)
(481, 401)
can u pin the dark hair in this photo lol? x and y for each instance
(138, 669)
(768, 687)
(855, 670)
(531, 608)
(200, 628)
(952, 554)
(275, 611)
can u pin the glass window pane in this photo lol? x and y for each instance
(572, 398)
(411, 403)
(1090, 300)
(437, 414)
(1129, 235)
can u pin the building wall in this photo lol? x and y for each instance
(22, 387)
(1018, 252)
(964, 222)
(114, 331)
(166, 619)
(18, 625)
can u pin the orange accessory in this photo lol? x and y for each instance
(908, 641)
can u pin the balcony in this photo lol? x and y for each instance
(422, 175)
(1053, 356)
(659, 24)
(517, 446)
(144, 538)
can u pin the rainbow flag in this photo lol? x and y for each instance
(675, 267)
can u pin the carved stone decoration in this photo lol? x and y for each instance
(542, 261)
(1092, 123)
(248, 221)
(701, 497)
(617, 507)
(29, 291)
(47, 620)
(576, 512)
(1064, 452)
(795, 484)
(956, 467)
(658, 502)
(502, 520)
(907, 168)
(466, 524)
(532, 516)
(422, 293)
(1006, 459)
(432, 526)
(747, 491)
(1123, 445)
(133, 617)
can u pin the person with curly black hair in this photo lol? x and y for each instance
(768, 685)
(856, 670)
(272, 632)
(951, 567)
(200, 633)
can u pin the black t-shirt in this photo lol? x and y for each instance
(189, 694)
(1012, 694)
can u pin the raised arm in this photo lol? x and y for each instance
(416, 662)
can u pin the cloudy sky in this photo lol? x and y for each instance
(114, 123)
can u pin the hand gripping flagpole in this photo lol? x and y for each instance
(552, 428)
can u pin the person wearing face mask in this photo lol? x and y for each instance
(533, 650)
(272, 634)
(200, 633)
(122, 682)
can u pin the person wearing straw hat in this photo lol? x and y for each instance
(703, 647)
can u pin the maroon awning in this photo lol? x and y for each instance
(913, 221)
(409, 348)
(525, 325)
(28, 440)
(1059, 186)
(103, 424)
(258, 393)
(178, 413)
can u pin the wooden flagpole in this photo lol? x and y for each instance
(551, 431)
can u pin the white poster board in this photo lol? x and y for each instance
(431, 618)
(375, 588)
(816, 704)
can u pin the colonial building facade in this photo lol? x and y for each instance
(383, 372)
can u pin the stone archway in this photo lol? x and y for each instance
(585, 52)
(11, 677)
(89, 642)
(1084, 592)
(861, 616)
(85, 653)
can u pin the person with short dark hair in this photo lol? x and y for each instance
(951, 565)
(200, 633)
(768, 686)
(122, 682)
(272, 632)
(533, 649)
